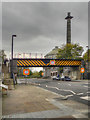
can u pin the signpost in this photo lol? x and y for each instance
(42, 73)
(82, 72)
(52, 62)
(26, 72)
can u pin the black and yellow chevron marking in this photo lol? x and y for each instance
(46, 63)
(68, 63)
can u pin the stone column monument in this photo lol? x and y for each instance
(68, 18)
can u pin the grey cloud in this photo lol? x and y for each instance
(41, 26)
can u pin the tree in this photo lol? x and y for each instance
(70, 51)
(2, 56)
(86, 55)
(40, 73)
(35, 74)
(31, 72)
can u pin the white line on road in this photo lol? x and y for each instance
(69, 95)
(80, 93)
(86, 86)
(86, 83)
(61, 89)
(85, 97)
(58, 83)
(88, 92)
(70, 91)
(69, 84)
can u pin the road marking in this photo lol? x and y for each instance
(61, 89)
(80, 115)
(70, 91)
(86, 83)
(86, 86)
(69, 95)
(88, 92)
(58, 83)
(85, 97)
(69, 84)
(80, 93)
(53, 92)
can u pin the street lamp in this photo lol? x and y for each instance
(88, 63)
(12, 45)
(12, 56)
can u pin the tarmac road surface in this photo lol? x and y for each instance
(77, 90)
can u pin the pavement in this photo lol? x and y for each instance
(31, 101)
(0, 99)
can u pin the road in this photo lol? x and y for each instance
(75, 90)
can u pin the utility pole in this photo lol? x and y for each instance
(88, 62)
(12, 46)
(12, 56)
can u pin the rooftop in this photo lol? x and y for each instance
(53, 52)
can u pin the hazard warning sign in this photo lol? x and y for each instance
(52, 62)
(26, 72)
(82, 70)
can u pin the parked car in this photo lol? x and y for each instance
(56, 78)
(66, 78)
(63, 77)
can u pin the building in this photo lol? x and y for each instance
(51, 71)
(72, 72)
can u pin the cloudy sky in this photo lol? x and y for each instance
(42, 26)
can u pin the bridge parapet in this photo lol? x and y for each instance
(47, 62)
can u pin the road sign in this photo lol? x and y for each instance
(52, 62)
(26, 71)
(42, 73)
(82, 70)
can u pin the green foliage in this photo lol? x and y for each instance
(36, 74)
(85, 56)
(40, 73)
(2, 55)
(60, 69)
(20, 72)
(70, 51)
(31, 75)
(31, 72)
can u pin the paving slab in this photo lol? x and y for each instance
(29, 101)
(25, 99)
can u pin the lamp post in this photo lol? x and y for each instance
(88, 52)
(88, 64)
(12, 46)
(12, 56)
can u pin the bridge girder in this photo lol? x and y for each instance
(47, 62)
